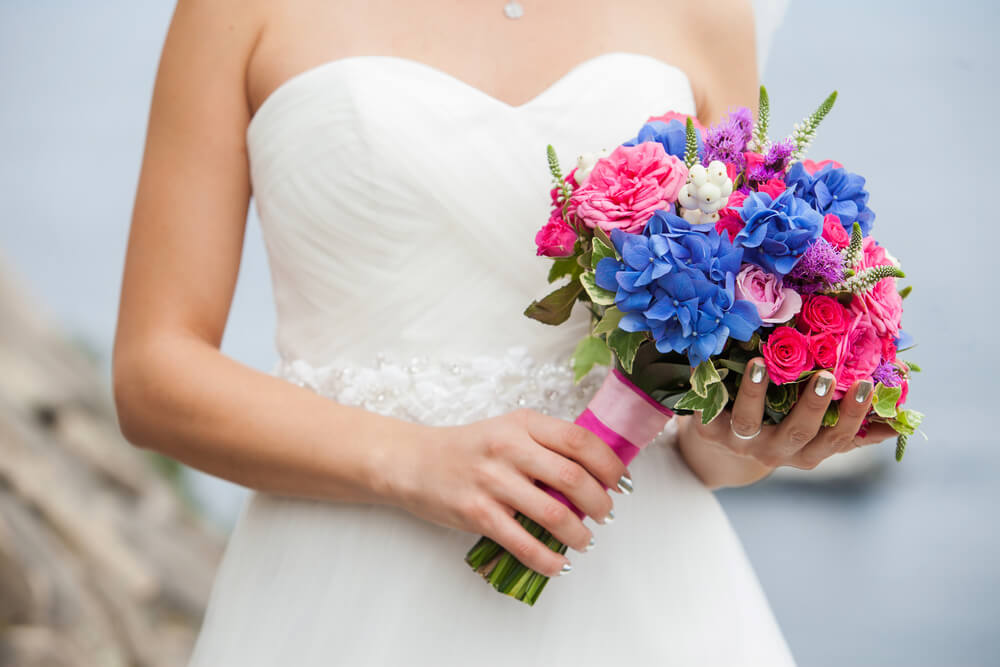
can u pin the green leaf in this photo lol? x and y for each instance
(704, 376)
(912, 366)
(608, 323)
(906, 422)
(597, 294)
(601, 250)
(751, 345)
(905, 292)
(555, 307)
(735, 366)
(663, 376)
(884, 403)
(603, 236)
(625, 345)
(832, 414)
(564, 266)
(710, 405)
(590, 351)
(781, 397)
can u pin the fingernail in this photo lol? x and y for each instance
(590, 545)
(565, 569)
(823, 384)
(610, 517)
(625, 485)
(864, 391)
(757, 372)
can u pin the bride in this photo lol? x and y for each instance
(395, 151)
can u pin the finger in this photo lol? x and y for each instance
(577, 443)
(511, 535)
(852, 412)
(548, 512)
(748, 408)
(569, 478)
(876, 432)
(804, 421)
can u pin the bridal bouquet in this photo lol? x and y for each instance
(696, 250)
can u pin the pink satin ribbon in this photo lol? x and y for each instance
(624, 417)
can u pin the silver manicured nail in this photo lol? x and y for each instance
(823, 384)
(610, 517)
(625, 485)
(757, 372)
(565, 568)
(590, 545)
(864, 390)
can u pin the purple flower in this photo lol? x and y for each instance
(727, 140)
(887, 373)
(774, 162)
(819, 267)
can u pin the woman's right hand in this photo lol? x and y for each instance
(475, 477)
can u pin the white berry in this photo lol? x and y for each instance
(706, 191)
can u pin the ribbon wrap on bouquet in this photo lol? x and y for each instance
(624, 417)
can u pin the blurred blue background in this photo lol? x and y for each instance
(889, 565)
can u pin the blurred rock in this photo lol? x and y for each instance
(102, 559)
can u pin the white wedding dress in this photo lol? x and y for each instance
(399, 207)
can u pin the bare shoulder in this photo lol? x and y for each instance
(722, 37)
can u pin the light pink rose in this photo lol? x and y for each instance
(823, 314)
(775, 303)
(786, 355)
(556, 238)
(834, 232)
(729, 216)
(813, 167)
(682, 117)
(773, 187)
(628, 186)
(882, 305)
(858, 354)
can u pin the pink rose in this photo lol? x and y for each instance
(786, 355)
(858, 355)
(813, 167)
(823, 314)
(682, 117)
(773, 187)
(729, 217)
(753, 160)
(904, 390)
(882, 304)
(834, 232)
(556, 238)
(824, 349)
(775, 304)
(628, 186)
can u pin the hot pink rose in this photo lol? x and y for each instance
(682, 117)
(786, 355)
(904, 390)
(824, 349)
(628, 186)
(834, 232)
(753, 160)
(773, 187)
(556, 238)
(775, 303)
(813, 167)
(729, 217)
(823, 314)
(881, 304)
(858, 354)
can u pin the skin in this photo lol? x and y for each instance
(177, 394)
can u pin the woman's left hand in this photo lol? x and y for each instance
(736, 448)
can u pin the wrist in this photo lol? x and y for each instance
(391, 467)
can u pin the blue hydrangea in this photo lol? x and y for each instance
(778, 231)
(676, 281)
(834, 190)
(671, 135)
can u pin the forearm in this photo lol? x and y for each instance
(183, 398)
(715, 465)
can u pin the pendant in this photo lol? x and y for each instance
(513, 10)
